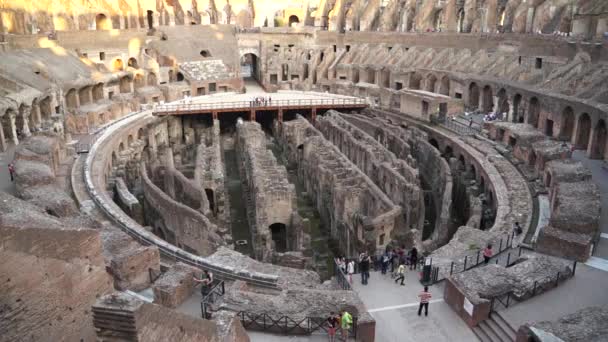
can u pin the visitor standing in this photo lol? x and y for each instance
(425, 297)
(206, 280)
(400, 274)
(11, 171)
(351, 270)
(364, 267)
(487, 254)
(346, 321)
(413, 258)
(517, 229)
(333, 323)
(385, 261)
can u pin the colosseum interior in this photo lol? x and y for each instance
(143, 142)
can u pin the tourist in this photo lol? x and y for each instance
(11, 171)
(346, 320)
(425, 297)
(470, 122)
(270, 100)
(413, 258)
(333, 322)
(206, 280)
(401, 274)
(350, 268)
(394, 259)
(364, 267)
(517, 229)
(385, 261)
(487, 254)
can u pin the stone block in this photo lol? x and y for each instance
(176, 285)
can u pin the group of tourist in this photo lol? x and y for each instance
(342, 321)
(260, 101)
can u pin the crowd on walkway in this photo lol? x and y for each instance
(259, 101)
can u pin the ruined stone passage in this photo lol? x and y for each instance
(359, 214)
(271, 199)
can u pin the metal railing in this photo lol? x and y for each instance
(341, 278)
(218, 288)
(456, 126)
(471, 261)
(289, 325)
(510, 298)
(250, 105)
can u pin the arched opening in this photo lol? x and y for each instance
(434, 143)
(598, 145)
(533, 111)
(548, 180)
(46, 111)
(98, 92)
(71, 99)
(473, 96)
(444, 87)
(430, 83)
(293, 21)
(462, 162)
(250, 67)
(517, 116)
(102, 22)
(532, 158)
(152, 81)
(140, 133)
(278, 232)
(84, 95)
(130, 140)
(114, 159)
(205, 53)
(415, 80)
(117, 65)
(125, 85)
(210, 199)
(503, 104)
(438, 20)
(180, 77)
(488, 99)
(7, 125)
(150, 19)
(133, 63)
(567, 124)
(121, 147)
(448, 152)
(461, 20)
(138, 81)
(20, 121)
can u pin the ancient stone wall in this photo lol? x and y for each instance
(395, 177)
(191, 229)
(271, 198)
(359, 214)
(65, 273)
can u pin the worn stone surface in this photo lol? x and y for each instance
(175, 285)
(589, 324)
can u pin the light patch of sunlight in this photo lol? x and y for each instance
(114, 32)
(49, 44)
(134, 46)
(219, 36)
(59, 24)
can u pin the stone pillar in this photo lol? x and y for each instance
(252, 115)
(13, 129)
(36, 116)
(2, 139)
(451, 16)
(313, 116)
(280, 115)
(214, 115)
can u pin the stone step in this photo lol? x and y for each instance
(504, 325)
(498, 331)
(489, 332)
(481, 335)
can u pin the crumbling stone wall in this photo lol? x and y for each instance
(271, 198)
(53, 272)
(395, 177)
(175, 285)
(359, 214)
(588, 324)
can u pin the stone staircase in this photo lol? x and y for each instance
(495, 329)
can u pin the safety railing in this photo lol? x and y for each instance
(249, 105)
(439, 273)
(218, 288)
(510, 298)
(289, 325)
(341, 278)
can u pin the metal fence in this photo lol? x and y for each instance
(218, 288)
(249, 105)
(510, 298)
(289, 325)
(456, 126)
(470, 261)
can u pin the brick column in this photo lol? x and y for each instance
(280, 116)
(252, 115)
(313, 116)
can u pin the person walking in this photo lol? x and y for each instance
(364, 267)
(400, 274)
(425, 297)
(333, 323)
(350, 268)
(413, 258)
(11, 171)
(487, 254)
(346, 321)
(385, 261)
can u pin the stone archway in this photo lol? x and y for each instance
(415, 80)
(503, 104)
(597, 150)
(431, 82)
(250, 66)
(517, 116)
(278, 232)
(488, 99)
(444, 86)
(293, 20)
(102, 22)
(583, 132)
(474, 96)
(117, 65)
(133, 63)
(567, 124)
(533, 111)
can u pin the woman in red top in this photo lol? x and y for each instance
(487, 254)
(333, 323)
